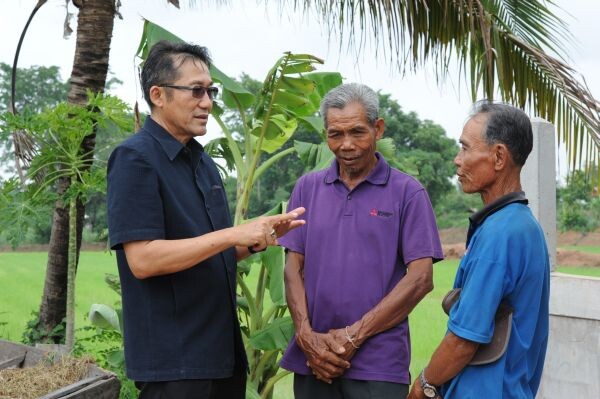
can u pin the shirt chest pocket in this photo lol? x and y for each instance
(216, 197)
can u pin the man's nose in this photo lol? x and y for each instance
(205, 102)
(457, 160)
(347, 143)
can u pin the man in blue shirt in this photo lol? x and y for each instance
(176, 249)
(506, 262)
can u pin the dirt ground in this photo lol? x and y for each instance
(453, 242)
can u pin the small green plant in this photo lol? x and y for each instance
(104, 340)
(34, 333)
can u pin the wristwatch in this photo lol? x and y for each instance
(428, 390)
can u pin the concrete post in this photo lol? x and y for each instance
(572, 367)
(538, 179)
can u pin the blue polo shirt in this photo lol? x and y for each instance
(356, 245)
(181, 325)
(506, 258)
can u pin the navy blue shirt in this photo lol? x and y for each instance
(181, 325)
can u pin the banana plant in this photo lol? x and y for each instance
(290, 95)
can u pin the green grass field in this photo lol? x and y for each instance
(22, 282)
(582, 248)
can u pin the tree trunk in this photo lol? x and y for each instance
(90, 67)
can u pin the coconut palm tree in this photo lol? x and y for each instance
(509, 49)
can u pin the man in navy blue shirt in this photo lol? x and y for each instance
(506, 263)
(176, 249)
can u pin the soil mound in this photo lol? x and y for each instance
(454, 247)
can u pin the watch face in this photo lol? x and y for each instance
(429, 392)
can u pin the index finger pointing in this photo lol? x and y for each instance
(296, 212)
(285, 217)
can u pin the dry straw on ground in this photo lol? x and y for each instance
(39, 380)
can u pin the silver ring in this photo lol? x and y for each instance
(273, 233)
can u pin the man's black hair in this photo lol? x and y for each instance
(163, 62)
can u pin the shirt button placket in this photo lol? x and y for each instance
(348, 205)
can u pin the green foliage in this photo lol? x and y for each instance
(58, 133)
(104, 338)
(257, 140)
(37, 88)
(578, 203)
(422, 148)
(59, 166)
(454, 209)
(35, 333)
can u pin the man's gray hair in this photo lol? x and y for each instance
(349, 93)
(507, 125)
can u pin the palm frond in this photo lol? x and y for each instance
(511, 48)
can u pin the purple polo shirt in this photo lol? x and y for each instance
(356, 246)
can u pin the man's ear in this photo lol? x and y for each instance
(502, 157)
(157, 96)
(379, 128)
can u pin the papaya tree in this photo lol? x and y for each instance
(59, 133)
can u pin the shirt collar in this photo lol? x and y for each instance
(378, 176)
(479, 217)
(170, 145)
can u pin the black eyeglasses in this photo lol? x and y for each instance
(197, 91)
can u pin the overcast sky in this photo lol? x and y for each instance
(245, 37)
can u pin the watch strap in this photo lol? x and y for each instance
(429, 390)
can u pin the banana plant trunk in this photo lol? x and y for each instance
(90, 67)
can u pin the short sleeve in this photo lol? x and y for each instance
(134, 204)
(295, 240)
(472, 317)
(419, 236)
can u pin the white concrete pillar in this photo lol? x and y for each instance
(538, 179)
(572, 367)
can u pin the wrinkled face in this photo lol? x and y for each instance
(353, 139)
(475, 160)
(185, 116)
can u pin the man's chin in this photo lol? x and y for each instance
(466, 189)
(200, 132)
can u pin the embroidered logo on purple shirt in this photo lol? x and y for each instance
(384, 214)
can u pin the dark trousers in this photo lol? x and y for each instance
(308, 387)
(220, 388)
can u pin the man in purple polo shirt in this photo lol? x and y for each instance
(360, 264)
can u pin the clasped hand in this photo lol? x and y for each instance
(328, 354)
